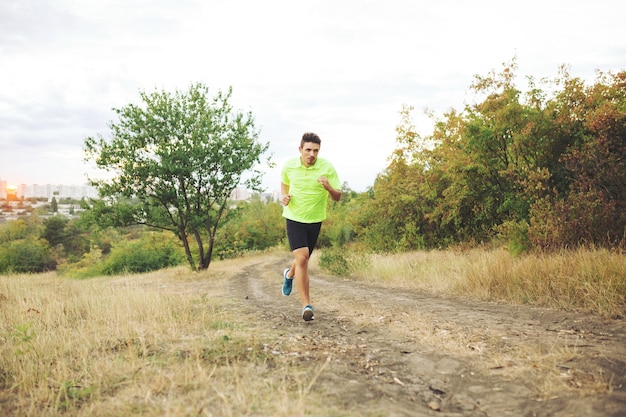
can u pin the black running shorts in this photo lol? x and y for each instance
(302, 235)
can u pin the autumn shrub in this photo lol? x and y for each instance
(583, 219)
(541, 169)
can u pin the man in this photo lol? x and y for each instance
(306, 183)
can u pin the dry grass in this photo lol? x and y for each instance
(170, 342)
(588, 280)
(142, 345)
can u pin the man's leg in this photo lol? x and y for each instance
(301, 266)
(292, 269)
(303, 238)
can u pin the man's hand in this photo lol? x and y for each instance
(334, 194)
(286, 199)
(324, 181)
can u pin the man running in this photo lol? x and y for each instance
(306, 183)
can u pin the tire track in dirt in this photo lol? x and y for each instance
(403, 353)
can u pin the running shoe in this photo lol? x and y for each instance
(307, 312)
(287, 283)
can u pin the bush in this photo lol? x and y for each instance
(151, 253)
(24, 256)
(516, 236)
(344, 261)
(336, 232)
(20, 229)
(251, 226)
(334, 261)
(90, 265)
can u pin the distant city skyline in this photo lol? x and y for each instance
(78, 192)
(48, 190)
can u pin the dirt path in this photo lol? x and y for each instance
(385, 351)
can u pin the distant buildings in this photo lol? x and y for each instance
(15, 201)
(78, 192)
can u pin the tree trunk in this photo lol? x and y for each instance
(183, 238)
(206, 261)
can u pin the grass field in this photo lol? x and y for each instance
(170, 343)
(592, 281)
(141, 345)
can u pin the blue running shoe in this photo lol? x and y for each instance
(287, 283)
(307, 312)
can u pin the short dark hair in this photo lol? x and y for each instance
(310, 137)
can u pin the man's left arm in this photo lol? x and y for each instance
(334, 193)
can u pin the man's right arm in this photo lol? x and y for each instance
(284, 190)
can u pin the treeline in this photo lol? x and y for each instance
(88, 246)
(543, 169)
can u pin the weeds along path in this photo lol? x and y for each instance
(393, 352)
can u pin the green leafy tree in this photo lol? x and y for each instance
(175, 160)
(77, 240)
(489, 156)
(392, 216)
(54, 205)
(54, 231)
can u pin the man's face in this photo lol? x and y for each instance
(308, 153)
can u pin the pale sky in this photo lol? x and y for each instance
(340, 68)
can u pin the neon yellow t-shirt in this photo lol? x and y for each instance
(308, 197)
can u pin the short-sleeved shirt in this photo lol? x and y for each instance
(308, 197)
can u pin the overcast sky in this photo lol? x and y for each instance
(340, 68)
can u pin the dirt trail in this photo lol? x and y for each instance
(392, 352)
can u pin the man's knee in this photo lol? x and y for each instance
(301, 255)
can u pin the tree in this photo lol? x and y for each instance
(587, 204)
(54, 205)
(393, 219)
(54, 231)
(175, 160)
